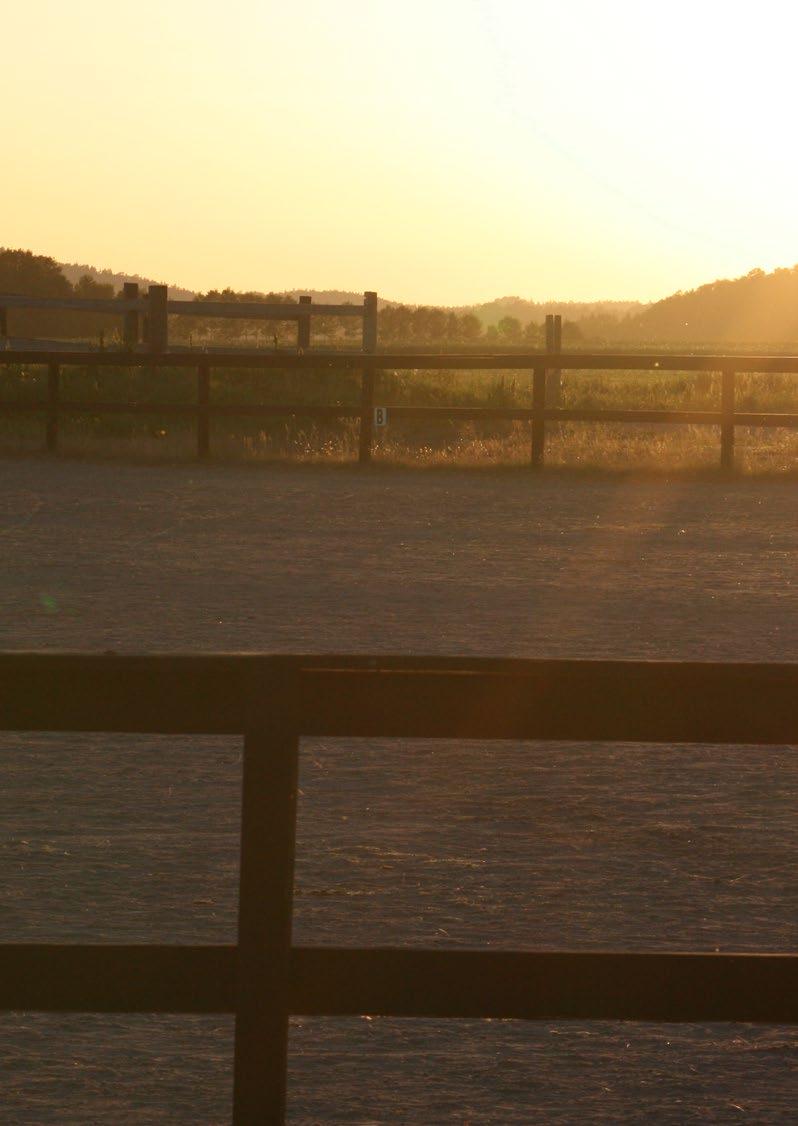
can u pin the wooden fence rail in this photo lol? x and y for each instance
(146, 316)
(275, 701)
(368, 364)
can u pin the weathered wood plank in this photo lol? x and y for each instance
(727, 419)
(349, 361)
(254, 410)
(538, 449)
(130, 329)
(117, 979)
(303, 323)
(260, 310)
(613, 414)
(78, 304)
(518, 414)
(573, 701)
(327, 981)
(268, 832)
(251, 310)
(547, 986)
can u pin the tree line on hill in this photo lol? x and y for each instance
(757, 308)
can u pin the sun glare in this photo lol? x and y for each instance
(443, 153)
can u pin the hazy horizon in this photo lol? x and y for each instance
(409, 300)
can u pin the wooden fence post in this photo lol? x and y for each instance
(53, 380)
(727, 419)
(368, 379)
(203, 414)
(538, 418)
(3, 323)
(303, 326)
(268, 830)
(158, 326)
(554, 344)
(369, 322)
(130, 329)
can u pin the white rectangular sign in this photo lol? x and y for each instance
(380, 416)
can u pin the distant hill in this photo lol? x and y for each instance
(755, 309)
(491, 312)
(74, 271)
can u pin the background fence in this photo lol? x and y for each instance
(145, 318)
(273, 702)
(541, 366)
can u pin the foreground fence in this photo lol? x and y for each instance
(543, 366)
(273, 702)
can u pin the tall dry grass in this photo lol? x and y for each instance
(423, 443)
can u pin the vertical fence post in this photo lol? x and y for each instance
(303, 326)
(130, 327)
(727, 419)
(538, 417)
(367, 379)
(369, 322)
(554, 344)
(268, 831)
(158, 328)
(53, 381)
(3, 323)
(203, 414)
(366, 417)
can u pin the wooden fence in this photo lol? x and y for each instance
(145, 318)
(369, 364)
(275, 701)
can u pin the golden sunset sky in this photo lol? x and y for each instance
(444, 151)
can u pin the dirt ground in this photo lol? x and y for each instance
(111, 839)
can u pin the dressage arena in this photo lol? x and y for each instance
(115, 839)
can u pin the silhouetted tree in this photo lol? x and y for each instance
(533, 335)
(509, 330)
(470, 328)
(571, 333)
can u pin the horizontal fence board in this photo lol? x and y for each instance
(546, 986)
(765, 418)
(255, 310)
(250, 310)
(254, 410)
(355, 361)
(575, 701)
(568, 701)
(531, 985)
(271, 410)
(454, 414)
(117, 979)
(613, 414)
(69, 406)
(554, 414)
(77, 304)
(97, 692)
(575, 361)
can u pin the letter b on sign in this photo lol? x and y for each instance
(380, 416)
